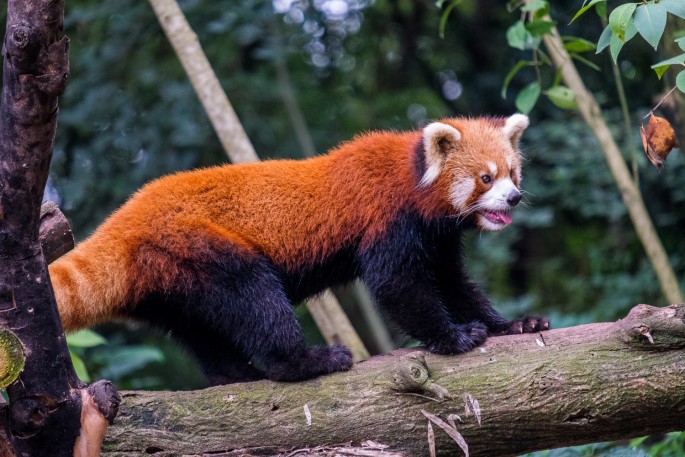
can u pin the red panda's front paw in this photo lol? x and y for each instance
(528, 324)
(315, 361)
(463, 338)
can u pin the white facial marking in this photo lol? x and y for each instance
(460, 191)
(496, 197)
(492, 166)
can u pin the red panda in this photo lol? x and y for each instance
(220, 256)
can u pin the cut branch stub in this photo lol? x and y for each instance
(11, 358)
(650, 327)
(55, 235)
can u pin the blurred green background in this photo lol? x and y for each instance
(129, 115)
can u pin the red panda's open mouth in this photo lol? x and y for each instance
(497, 217)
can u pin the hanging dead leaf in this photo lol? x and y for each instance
(657, 139)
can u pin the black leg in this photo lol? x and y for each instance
(222, 363)
(249, 306)
(399, 272)
(466, 302)
(231, 299)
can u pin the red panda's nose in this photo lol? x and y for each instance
(514, 197)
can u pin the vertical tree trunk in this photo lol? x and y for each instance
(44, 415)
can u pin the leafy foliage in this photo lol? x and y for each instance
(648, 19)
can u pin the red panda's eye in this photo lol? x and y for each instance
(486, 179)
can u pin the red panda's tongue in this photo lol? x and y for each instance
(499, 217)
(505, 217)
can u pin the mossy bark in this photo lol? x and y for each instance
(514, 395)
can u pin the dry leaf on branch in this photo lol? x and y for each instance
(657, 139)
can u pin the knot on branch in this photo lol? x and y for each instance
(29, 414)
(50, 77)
(410, 374)
(22, 44)
(650, 327)
(37, 67)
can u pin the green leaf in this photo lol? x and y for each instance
(635, 442)
(680, 81)
(125, 360)
(601, 11)
(85, 339)
(528, 97)
(650, 21)
(517, 35)
(661, 67)
(587, 62)
(681, 43)
(575, 44)
(562, 97)
(538, 28)
(616, 44)
(604, 39)
(535, 5)
(585, 8)
(446, 15)
(675, 7)
(80, 368)
(507, 79)
(619, 19)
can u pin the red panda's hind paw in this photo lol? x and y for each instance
(528, 324)
(463, 338)
(316, 361)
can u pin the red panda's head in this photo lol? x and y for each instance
(475, 164)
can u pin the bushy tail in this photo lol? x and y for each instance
(90, 285)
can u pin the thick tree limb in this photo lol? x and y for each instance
(514, 395)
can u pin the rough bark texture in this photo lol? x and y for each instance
(43, 417)
(44, 410)
(535, 391)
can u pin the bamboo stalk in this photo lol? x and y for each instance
(326, 310)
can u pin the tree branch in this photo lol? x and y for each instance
(515, 394)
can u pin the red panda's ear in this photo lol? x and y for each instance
(514, 127)
(438, 140)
